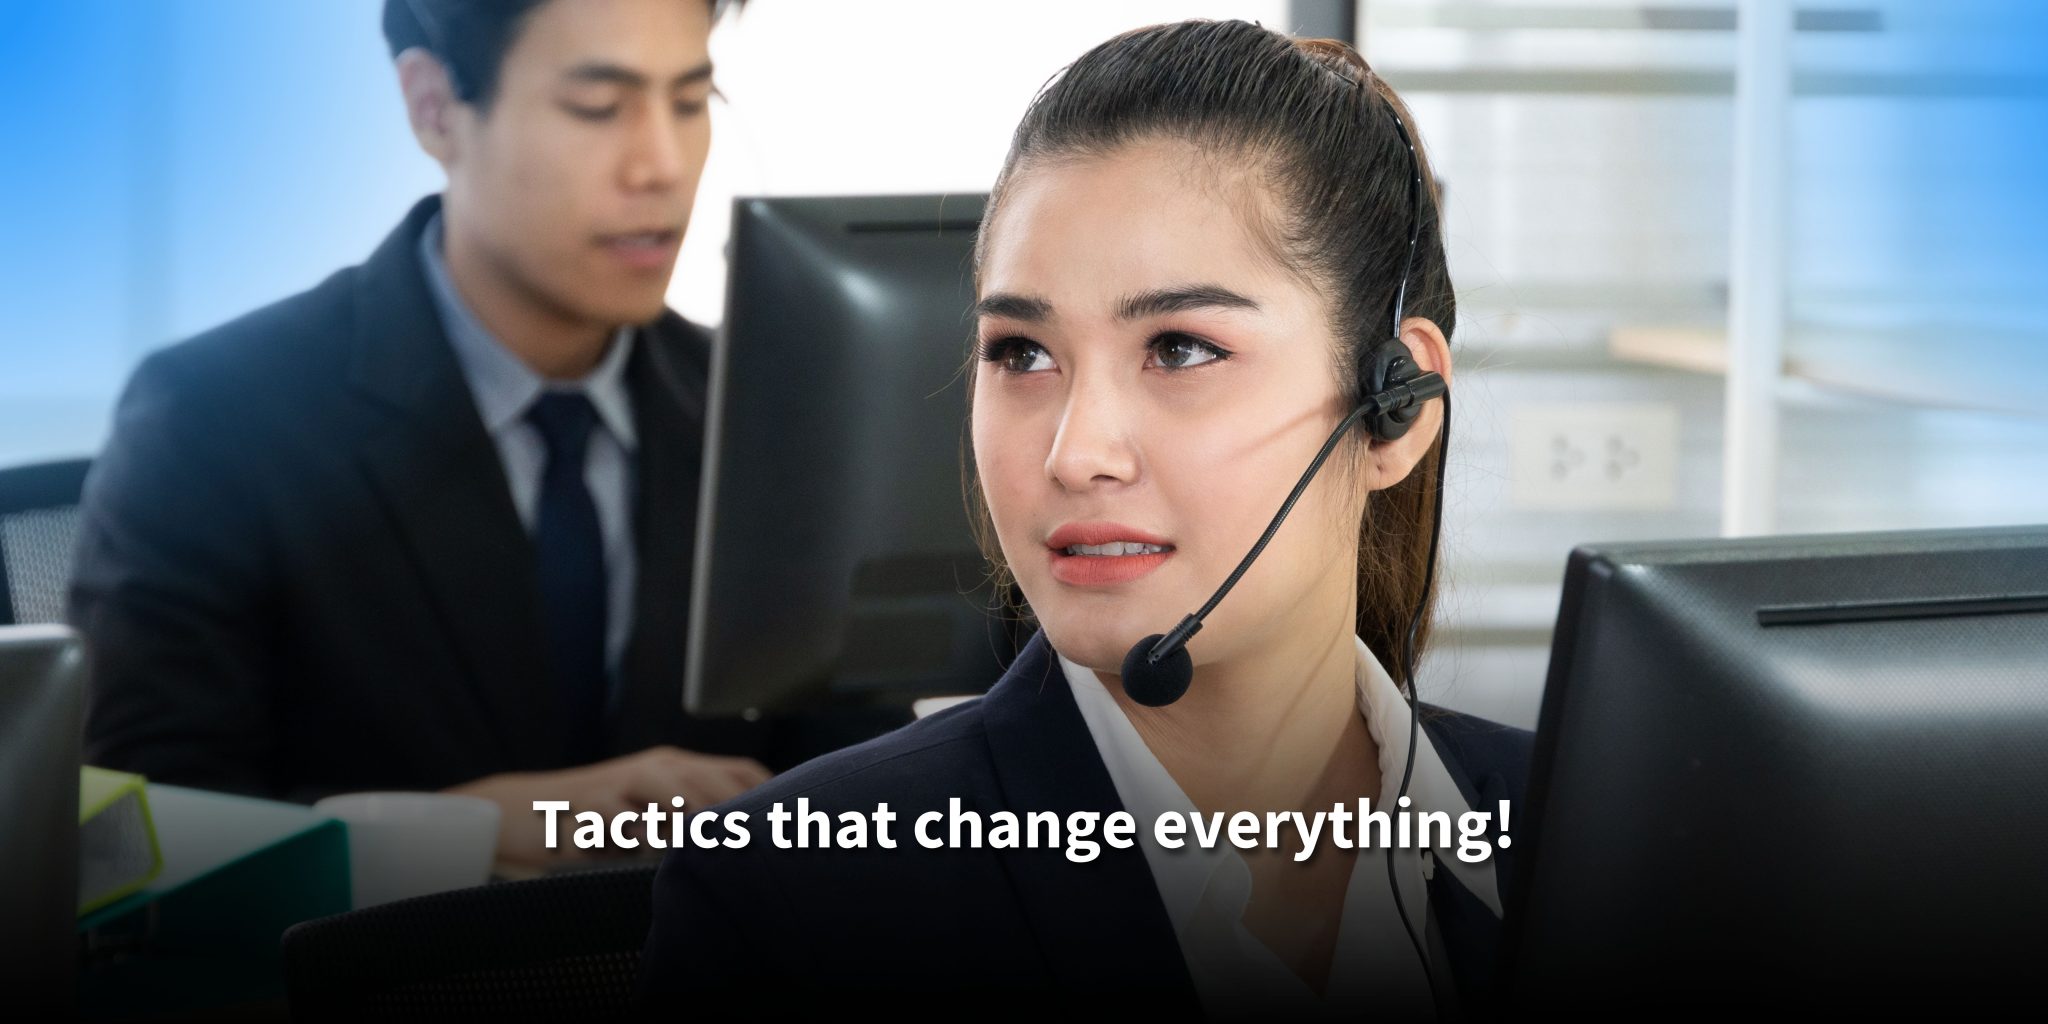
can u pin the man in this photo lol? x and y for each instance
(429, 525)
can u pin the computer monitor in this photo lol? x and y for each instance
(1805, 769)
(42, 694)
(834, 558)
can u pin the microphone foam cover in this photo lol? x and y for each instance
(1157, 685)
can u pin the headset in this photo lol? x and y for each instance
(1157, 670)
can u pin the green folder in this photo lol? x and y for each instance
(117, 847)
(201, 938)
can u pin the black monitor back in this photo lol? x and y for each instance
(835, 560)
(42, 701)
(1794, 767)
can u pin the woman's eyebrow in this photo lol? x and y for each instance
(1157, 302)
(1027, 308)
(1161, 301)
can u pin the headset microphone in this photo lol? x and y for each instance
(1157, 670)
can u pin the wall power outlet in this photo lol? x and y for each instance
(1594, 456)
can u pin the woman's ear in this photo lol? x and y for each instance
(1390, 462)
(430, 103)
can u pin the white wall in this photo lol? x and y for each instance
(890, 96)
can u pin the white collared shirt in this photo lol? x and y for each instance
(1374, 969)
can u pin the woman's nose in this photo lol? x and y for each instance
(1094, 445)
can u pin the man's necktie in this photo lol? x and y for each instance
(570, 547)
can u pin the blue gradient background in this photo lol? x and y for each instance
(1926, 212)
(169, 165)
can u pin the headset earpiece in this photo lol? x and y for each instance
(1387, 366)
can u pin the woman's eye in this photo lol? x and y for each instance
(689, 108)
(593, 113)
(1016, 355)
(1180, 351)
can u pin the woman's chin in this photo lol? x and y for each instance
(1098, 643)
(1095, 626)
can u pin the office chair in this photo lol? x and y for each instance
(561, 947)
(38, 531)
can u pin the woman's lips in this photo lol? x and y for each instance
(1103, 570)
(1098, 554)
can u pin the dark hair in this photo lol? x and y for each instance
(469, 37)
(1314, 119)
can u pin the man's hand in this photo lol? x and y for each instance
(627, 783)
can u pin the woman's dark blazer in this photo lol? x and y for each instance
(975, 931)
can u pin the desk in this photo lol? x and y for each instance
(510, 871)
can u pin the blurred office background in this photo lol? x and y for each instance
(171, 165)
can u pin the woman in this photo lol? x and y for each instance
(1185, 275)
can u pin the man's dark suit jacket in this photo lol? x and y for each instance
(301, 571)
(977, 932)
